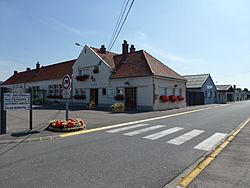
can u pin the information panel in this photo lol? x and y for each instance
(12, 101)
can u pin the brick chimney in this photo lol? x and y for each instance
(38, 65)
(27, 69)
(132, 48)
(125, 47)
(103, 49)
(15, 72)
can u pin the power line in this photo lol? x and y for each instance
(121, 25)
(118, 21)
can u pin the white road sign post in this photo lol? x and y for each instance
(66, 85)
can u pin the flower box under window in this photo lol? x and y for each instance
(119, 97)
(82, 77)
(80, 97)
(55, 97)
(173, 98)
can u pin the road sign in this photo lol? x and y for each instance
(66, 93)
(12, 101)
(66, 82)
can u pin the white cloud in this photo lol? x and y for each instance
(67, 27)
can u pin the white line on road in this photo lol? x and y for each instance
(185, 137)
(210, 142)
(163, 133)
(143, 130)
(126, 128)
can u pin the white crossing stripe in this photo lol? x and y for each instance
(143, 130)
(126, 128)
(185, 137)
(163, 133)
(210, 142)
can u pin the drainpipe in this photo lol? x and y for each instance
(153, 90)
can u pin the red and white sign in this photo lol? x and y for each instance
(66, 82)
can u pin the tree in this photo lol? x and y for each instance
(245, 89)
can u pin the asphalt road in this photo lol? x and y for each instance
(135, 157)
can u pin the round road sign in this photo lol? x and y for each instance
(66, 82)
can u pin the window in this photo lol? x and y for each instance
(170, 91)
(174, 92)
(178, 92)
(111, 93)
(80, 91)
(83, 72)
(55, 89)
(103, 91)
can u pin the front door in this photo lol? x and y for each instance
(130, 97)
(94, 96)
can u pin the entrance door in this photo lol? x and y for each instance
(130, 97)
(194, 98)
(94, 95)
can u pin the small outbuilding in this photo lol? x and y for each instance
(225, 93)
(200, 90)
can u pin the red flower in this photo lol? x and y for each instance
(173, 98)
(180, 98)
(164, 98)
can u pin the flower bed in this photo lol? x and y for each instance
(66, 126)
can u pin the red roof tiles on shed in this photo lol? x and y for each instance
(51, 72)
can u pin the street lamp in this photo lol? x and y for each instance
(77, 44)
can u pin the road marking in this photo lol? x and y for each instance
(163, 133)
(210, 142)
(126, 128)
(130, 123)
(185, 137)
(143, 130)
(188, 178)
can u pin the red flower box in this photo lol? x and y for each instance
(82, 78)
(55, 97)
(119, 97)
(173, 98)
(180, 98)
(80, 97)
(164, 98)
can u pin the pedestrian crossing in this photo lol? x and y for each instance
(144, 128)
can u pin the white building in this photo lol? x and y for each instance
(133, 77)
(136, 78)
(45, 81)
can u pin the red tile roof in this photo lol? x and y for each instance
(107, 57)
(141, 63)
(51, 72)
(160, 69)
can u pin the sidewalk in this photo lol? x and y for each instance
(18, 124)
(231, 168)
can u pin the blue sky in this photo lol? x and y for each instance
(191, 37)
